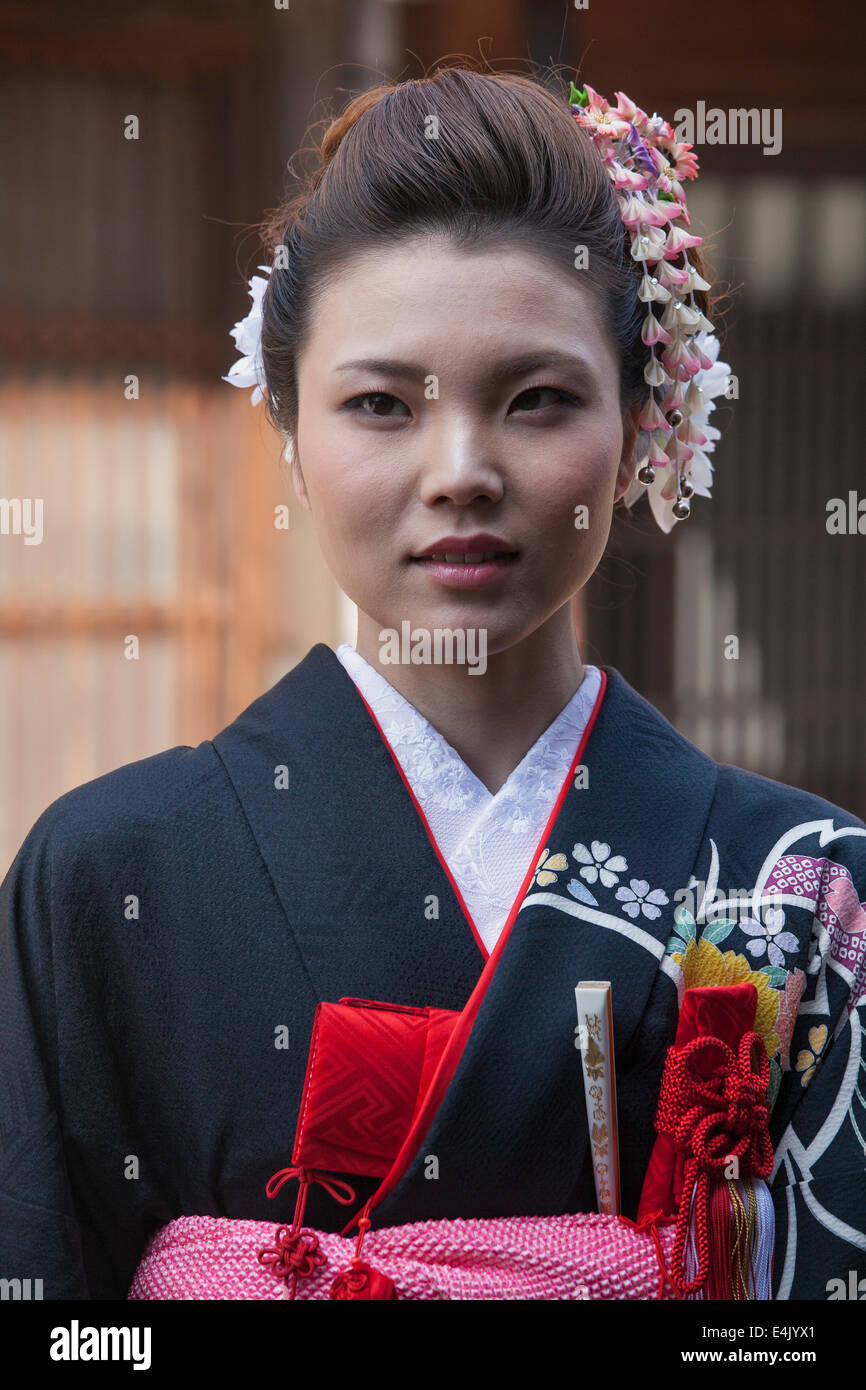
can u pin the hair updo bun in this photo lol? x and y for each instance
(483, 158)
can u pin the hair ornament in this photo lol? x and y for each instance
(247, 333)
(647, 166)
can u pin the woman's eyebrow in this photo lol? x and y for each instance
(387, 366)
(557, 359)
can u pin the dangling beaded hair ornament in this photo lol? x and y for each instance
(646, 164)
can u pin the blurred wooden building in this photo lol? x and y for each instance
(125, 264)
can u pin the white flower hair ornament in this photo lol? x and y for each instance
(646, 164)
(247, 333)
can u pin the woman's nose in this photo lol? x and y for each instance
(461, 462)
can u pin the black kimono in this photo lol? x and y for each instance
(168, 929)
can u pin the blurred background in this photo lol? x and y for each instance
(130, 257)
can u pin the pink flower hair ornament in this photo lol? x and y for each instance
(646, 165)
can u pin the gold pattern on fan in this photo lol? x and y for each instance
(595, 1028)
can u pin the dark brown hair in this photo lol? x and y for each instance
(509, 163)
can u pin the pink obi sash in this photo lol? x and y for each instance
(705, 1178)
(581, 1256)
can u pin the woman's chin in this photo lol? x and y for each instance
(452, 634)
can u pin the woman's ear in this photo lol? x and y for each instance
(628, 459)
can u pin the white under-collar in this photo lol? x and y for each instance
(487, 839)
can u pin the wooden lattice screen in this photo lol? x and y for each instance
(158, 523)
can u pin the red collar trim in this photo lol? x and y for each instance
(453, 1051)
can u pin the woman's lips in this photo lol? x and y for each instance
(469, 571)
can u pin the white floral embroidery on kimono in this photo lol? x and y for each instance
(487, 839)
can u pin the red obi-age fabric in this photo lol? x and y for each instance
(369, 1067)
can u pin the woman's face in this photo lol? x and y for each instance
(460, 403)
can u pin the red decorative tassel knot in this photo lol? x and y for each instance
(722, 1114)
(297, 1253)
(361, 1281)
(714, 1115)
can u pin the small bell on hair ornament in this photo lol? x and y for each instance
(657, 457)
(360, 1280)
(681, 507)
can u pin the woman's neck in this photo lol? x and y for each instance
(491, 719)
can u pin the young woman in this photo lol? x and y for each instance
(483, 327)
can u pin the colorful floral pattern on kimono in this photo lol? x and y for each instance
(797, 932)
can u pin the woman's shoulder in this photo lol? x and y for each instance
(736, 788)
(135, 803)
(790, 837)
(748, 797)
(752, 797)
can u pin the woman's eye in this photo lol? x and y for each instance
(538, 397)
(377, 403)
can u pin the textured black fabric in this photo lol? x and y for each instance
(160, 924)
(155, 1037)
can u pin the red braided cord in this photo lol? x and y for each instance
(363, 1228)
(651, 1223)
(310, 1175)
(713, 1118)
(297, 1254)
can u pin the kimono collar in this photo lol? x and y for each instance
(344, 843)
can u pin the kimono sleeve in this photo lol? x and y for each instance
(39, 1234)
(819, 1179)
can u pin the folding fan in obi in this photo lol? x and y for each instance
(712, 1155)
